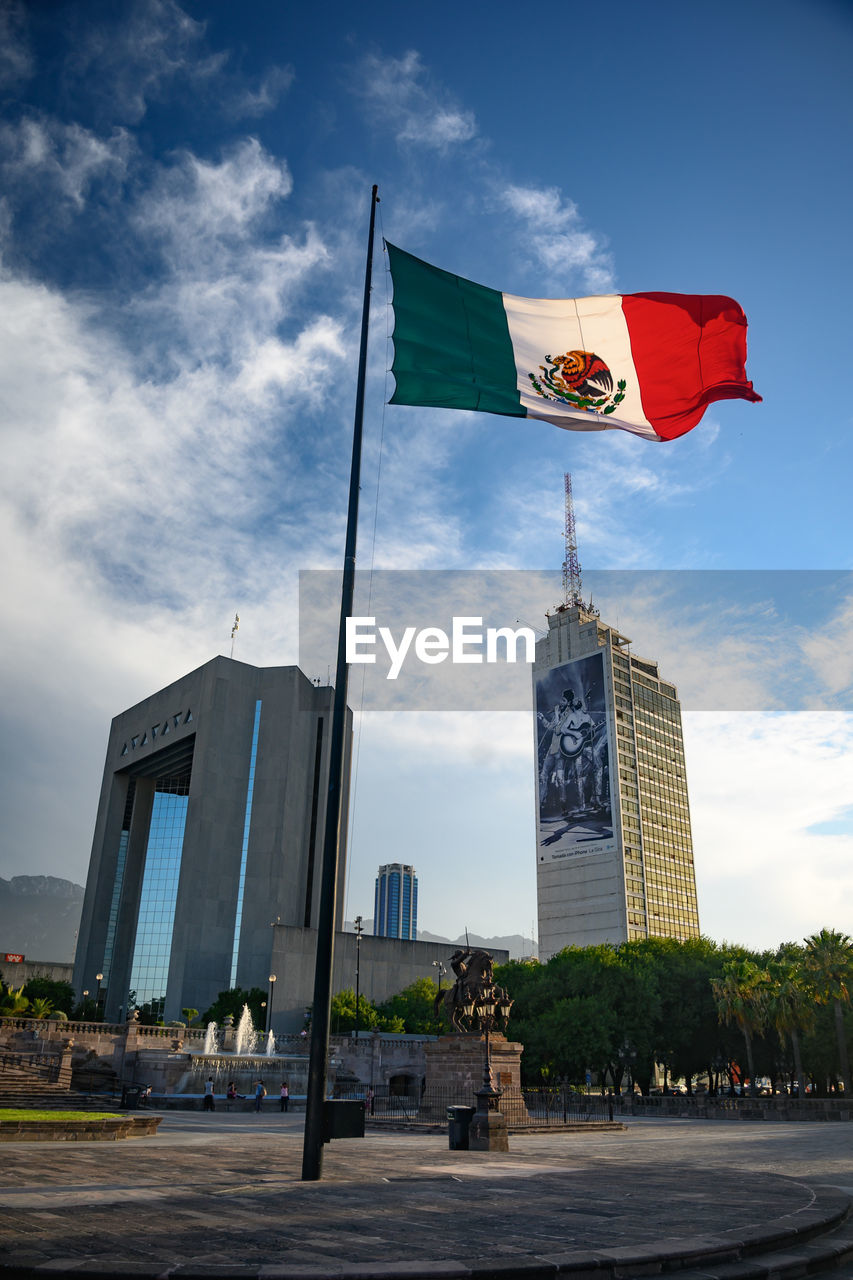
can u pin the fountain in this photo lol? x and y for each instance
(247, 1036)
(231, 1052)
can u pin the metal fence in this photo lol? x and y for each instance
(540, 1108)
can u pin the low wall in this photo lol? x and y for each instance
(780, 1107)
(168, 1058)
(79, 1129)
(376, 1058)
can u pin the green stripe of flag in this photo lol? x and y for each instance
(452, 348)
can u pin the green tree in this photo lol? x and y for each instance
(59, 992)
(789, 1002)
(414, 1007)
(231, 1003)
(689, 1028)
(13, 1002)
(342, 1015)
(829, 966)
(740, 995)
(588, 1008)
(40, 1007)
(190, 1015)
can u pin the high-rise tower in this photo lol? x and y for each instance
(395, 912)
(614, 846)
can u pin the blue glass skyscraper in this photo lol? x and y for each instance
(395, 910)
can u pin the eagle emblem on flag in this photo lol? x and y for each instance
(580, 379)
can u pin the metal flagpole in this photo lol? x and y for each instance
(312, 1151)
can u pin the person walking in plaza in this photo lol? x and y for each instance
(260, 1094)
(208, 1103)
(285, 1095)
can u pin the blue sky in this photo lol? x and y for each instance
(185, 192)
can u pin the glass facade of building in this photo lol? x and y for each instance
(155, 922)
(247, 822)
(118, 883)
(395, 911)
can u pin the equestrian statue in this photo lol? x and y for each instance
(475, 983)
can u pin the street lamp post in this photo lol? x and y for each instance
(486, 1010)
(359, 930)
(442, 970)
(269, 1002)
(99, 977)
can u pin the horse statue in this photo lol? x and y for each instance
(475, 978)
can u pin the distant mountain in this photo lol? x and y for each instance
(519, 947)
(39, 917)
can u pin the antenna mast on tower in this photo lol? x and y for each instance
(572, 586)
(571, 566)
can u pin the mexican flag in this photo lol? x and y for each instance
(649, 363)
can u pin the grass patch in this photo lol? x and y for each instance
(18, 1113)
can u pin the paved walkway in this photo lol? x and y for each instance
(220, 1195)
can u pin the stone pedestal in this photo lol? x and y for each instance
(488, 1129)
(454, 1073)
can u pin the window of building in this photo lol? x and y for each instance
(152, 949)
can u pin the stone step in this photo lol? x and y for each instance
(786, 1260)
(31, 1086)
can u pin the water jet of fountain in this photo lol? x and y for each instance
(246, 1035)
(270, 1050)
(210, 1038)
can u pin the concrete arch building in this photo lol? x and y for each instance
(209, 830)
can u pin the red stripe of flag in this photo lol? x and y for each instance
(689, 350)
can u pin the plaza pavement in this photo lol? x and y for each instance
(220, 1195)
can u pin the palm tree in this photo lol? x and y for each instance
(741, 999)
(789, 1006)
(829, 965)
(40, 1007)
(13, 1002)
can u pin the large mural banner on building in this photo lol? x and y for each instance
(575, 808)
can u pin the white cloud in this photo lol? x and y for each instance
(440, 129)
(199, 201)
(138, 53)
(228, 282)
(403, 99)
(555, 238)
(273, 84)
(61, 159)
(154, 477)
(758, 785)
(829, 649)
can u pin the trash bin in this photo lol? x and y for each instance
(343, 1118)
(457, 1130)
(130, 1097)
